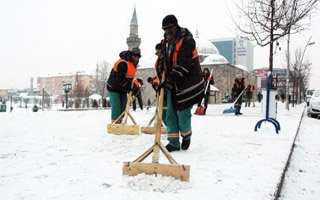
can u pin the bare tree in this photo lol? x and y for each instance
(103, 69)
(81, 90)
(266, 21)
(301, 71)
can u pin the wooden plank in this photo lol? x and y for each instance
(156, 153)
(120, 117)
(167, 154)
(125, 129)
(132, 118)
(181, 172)
(152, 130)
(144, 155)
(150, 122)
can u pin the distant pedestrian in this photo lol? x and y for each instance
(283, 96)
(248, 94)
(259, 96)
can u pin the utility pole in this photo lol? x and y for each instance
(300, 67)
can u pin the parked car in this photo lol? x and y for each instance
(314, 104)
(308, 96)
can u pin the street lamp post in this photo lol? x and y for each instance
(300, 64)
(288, 68)
(67, 87)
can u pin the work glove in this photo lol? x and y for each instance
(165, 84)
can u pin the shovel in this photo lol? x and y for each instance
(124, 128)
(173, 169)
(201, 109)
(232, 109)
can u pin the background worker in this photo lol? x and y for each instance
(136, 93)
(208, 80)
(238, 87)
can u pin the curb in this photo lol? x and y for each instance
(280, 184)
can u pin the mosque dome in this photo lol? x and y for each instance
(215, 59)
(205, 47)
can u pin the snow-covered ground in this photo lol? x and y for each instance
(302, 179)
(69, 155)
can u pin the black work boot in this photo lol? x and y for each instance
(171, 148)
(185, 144)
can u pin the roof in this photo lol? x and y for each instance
(205, 47)
(134, 20)
(214, 59)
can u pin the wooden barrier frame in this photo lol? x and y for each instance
(152, 129)
(173, 169)
(124, 128)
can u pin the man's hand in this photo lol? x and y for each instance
(165, 84)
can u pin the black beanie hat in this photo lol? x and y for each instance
(159, 46)
(149, 79)
(135, 52)
(168, 21)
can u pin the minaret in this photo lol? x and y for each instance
(134, 41)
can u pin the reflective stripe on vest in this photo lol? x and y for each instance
(131, 70)
(176, 51)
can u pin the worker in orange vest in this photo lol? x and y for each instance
(120, 81)
(184, 82)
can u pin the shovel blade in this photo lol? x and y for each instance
(229, 110)
(200, 110)
(123, 129)
(181, 172)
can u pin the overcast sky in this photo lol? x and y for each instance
(39, 37)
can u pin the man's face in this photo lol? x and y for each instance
(170, 32)
(158, 52)
(136, 59)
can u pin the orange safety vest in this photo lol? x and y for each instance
(136, 82)
(156, 64)
(176, 51)
(156, 80)
(131, 70)
(252, 88)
